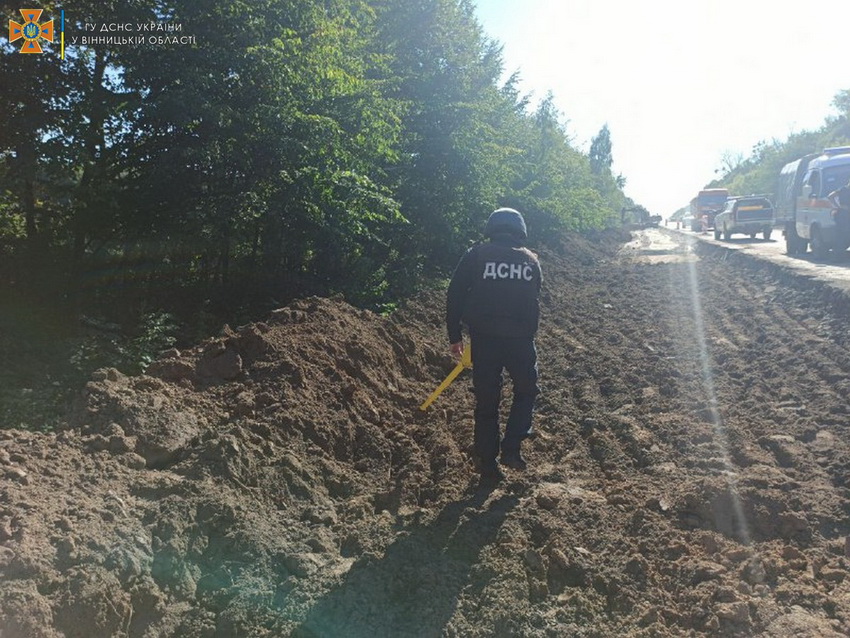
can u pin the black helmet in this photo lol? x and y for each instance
(505, 220)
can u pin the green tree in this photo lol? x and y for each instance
(758, 173)
(452, 162)
(554, 184)
(293, 148)
(841, 102)
(601, 158)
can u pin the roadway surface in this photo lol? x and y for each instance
(656, 242)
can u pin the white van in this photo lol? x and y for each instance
(810, 218)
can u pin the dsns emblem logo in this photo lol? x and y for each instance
(30, 31)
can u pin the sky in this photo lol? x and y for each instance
(683, 85)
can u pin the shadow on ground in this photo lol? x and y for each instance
(414, 588)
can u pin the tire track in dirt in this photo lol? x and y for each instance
(780, 368)
(772, 339)
(748, 356)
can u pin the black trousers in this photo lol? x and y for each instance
(491, 355)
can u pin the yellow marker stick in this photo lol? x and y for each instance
(465, 362)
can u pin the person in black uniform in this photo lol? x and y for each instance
(495, 291)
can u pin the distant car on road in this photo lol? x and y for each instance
(746, 215)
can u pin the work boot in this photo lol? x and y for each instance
(513, 459)
(490, 473)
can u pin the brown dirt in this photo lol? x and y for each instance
(689, 476)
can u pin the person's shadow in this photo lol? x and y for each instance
(413, 589)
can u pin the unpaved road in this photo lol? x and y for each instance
(689, 476)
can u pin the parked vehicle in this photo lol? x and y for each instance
(748, 215)
(802, 206)
(705, 206)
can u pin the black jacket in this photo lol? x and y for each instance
(495, 290)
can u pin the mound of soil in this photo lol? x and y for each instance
(688, 475)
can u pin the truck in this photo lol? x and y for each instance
(748, 215)
(638, 217)
(802, 206)
(705, 206)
